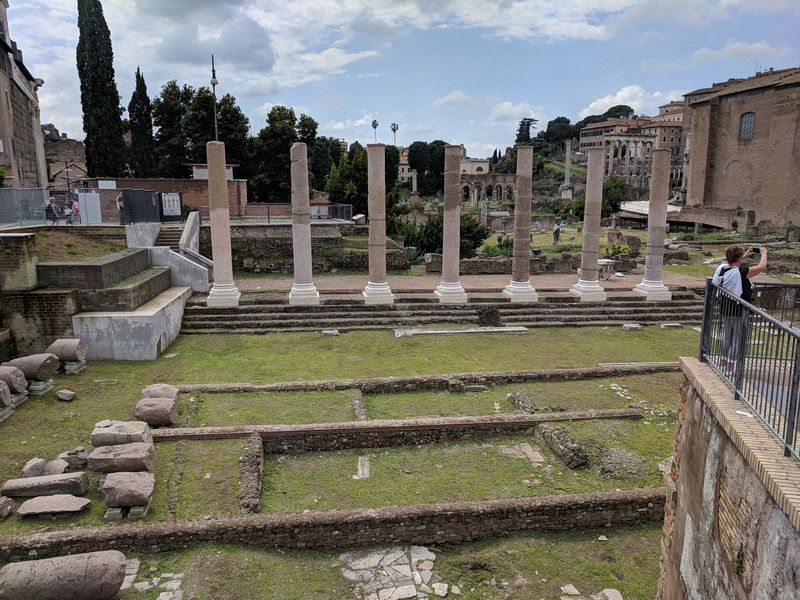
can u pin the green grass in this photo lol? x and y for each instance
(692, 270)
(277, 407)
(656, 389)
(466, 470)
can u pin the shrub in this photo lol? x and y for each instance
(615, 249)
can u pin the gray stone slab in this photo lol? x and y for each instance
(46, 485)
(398, 333)
(124, 457)
(128, 489)
(113, 433)
(56, 504)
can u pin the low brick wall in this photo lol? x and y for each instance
(100, 273)
(451, 522)
(382, 385)
(39, 317)
(17, 262)
(125, 298)
(383, 433)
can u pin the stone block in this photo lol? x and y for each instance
(57, 504)
(631, 327)
(91, 576)
(128, 489)
(125, 457)
(76, 458)
(56, 467)
(39, 388)
(34, 467)
(522, 401)
(5, 395)
(563, 445)
(112, 433)
(65, 395)
(157, 412)
(160, 390)
(6, 507)
(46, 485)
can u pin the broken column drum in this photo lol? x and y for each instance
(652, 285)
(224, 292)
(303, 291)
(450, 290)
(588, 289)
(377, 290)
(520, 288)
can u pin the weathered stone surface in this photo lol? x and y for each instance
(112, 433)
(34, 467)
(14, 378)
(631, 327)
(522, 400)
(563, 445)
(6, 507)
(41, 367)
(251, 468)
(124, 457)
(68, 349)
(621, 461)
(92, 576)
(157, 412)
(55, 467)
(128, 489)
(56, 504)
(66, 395)
(46, 485)
(5, 394)
(160, 390)
(76, 458)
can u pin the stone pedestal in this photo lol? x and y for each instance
(588, 288)
(450, 290)
(303, 291)
(520, 288)
(377, 290)
(223, 292)
(652, 285)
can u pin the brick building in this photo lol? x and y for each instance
(743, 146)
(65, 157)
(21, 146)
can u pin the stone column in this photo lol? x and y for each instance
(303, 291)
(224, 291)
(567, 163)
(377, 290)
(588, 289)
(628, 145)
(652, 285)
(449, 290)
(610, 158)
(520, 289)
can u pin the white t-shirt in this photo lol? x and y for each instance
(731, 281)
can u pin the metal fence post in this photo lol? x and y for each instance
(705, 335)
(791, 414)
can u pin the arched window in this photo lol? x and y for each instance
(479, 170)
(747, 123)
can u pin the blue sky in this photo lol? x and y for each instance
(464, 71)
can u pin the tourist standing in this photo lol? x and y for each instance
(51, 212)
(120, 208)
(76, 212)
(556, 233)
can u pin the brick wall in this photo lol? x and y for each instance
(24, 139)
(128, 297)
(451, 522)
(100, 273)
(193, 191)
(38, 318)
(17, 262)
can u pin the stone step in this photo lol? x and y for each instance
(128, 294)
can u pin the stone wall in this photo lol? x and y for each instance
(725, 536)
(39, 317)
(423, 524)
(17, 262)
(100, 273)
(24, 139)
(125, 297)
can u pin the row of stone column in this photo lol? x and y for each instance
(449, 290)
(636, 151)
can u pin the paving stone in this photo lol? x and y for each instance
(570, 590)
(426, 576)
(425, 589)
(631, 327)
(132, 566)
(127, 583)
(425, 565)
(363, 559)
(392, 556)
(57, 504)
(671, 326)
(351, 575)
(421, 553)
(399, 572)
(142, 586)
(330, 332)
(440, 589)
(454, 589)
(172, 585)
(363, 467)
(609, 594)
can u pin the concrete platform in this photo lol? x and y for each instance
(141, 334)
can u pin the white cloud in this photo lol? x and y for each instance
(507, 112)
(739, 50)
(635, 96)
(454, 98)
(335, 125)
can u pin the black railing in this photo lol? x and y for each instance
(781, 300)
(758, 356)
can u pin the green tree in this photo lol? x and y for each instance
(102, 122)
(272, 182)
(354, 149)
(615, 191)
(559, 129)
(307, 130)
(171, 143)
(419, 157)
(435, 179)
(619, 111)
(2, 177)
(198, 124)
(325, 153)
(234, 130)
(428, 237)
(142, 150)
(347, 181)
(392, 166)
(524, 131)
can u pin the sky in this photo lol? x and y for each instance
(465, 71)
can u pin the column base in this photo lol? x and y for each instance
(223, 295)
(450, 293)
(654, 291)
(521, 291)
(303, 294)
(378, 293)
(588, 291)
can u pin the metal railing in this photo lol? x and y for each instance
(781, 300)
(22, 207)
(758, 356)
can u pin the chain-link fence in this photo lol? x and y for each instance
(21, 207)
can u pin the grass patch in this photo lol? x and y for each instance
(468, 470)
(65, 245)
(655, 389)
(199, 495)
(275, 407)
(692, 270)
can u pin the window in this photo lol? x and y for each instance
(747, 123)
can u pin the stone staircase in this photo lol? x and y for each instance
(169, 236)
(260, 315)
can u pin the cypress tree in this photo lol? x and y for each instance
(140, 115)
(102, 122)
